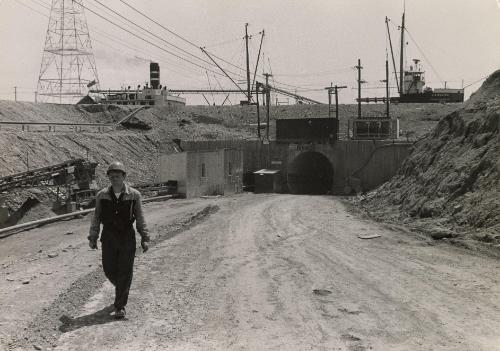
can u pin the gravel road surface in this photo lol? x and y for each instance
(251, 272)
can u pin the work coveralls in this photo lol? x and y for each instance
(118, 236)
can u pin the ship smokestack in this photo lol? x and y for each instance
(154, 75)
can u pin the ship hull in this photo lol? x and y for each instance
(429, 98)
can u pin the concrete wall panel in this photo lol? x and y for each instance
(213, 181)
(173, 167)
(233, 171)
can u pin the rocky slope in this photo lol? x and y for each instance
(451, 179)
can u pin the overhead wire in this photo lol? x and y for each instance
(147, 41)
(159, 24)
(173, 45)
(181, 37)
(192, 43)
(223, 43)
(29, 7)
(170, 31)
(477, 81)
(42, 4)
(423, 54)
(153, 34)
(117, 40)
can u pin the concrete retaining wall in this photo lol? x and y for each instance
(200, 173)
(359, 165)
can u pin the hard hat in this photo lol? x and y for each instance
(116, 166)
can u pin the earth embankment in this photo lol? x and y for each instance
(449, 185)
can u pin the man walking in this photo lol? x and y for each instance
(117, 207)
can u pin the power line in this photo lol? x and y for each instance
(422, 52)
(109, 36)
(42, 4)
(153, 34)
(477, 81)
(172, 32)
(32, 9)
(207, 62)
(191, 43)
(116, 40)
(147, 41)
(313, 74)
(159, 24)
(223, 43)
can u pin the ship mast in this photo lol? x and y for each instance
(401, 56)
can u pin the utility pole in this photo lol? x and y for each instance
(268, 102)
(249, 96)
(15, 94)
(257, 87)
(359, 67)
(334, 90)
(36, 96)
(401, 57)
(387, 97)
(392, 52)
(329, 99)
(258, 57)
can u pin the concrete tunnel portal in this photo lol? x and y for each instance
(311, 173)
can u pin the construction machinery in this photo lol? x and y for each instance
(71, 183)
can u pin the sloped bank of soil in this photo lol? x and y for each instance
(449, 185)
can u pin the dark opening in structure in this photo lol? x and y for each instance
(310, 173)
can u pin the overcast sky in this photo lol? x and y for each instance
(308, 44)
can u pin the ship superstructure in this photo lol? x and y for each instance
(153, 94)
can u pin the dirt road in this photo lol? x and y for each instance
(263, 272)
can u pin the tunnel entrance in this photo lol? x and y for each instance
(310, 173)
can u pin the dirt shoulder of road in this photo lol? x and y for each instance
(432, 230)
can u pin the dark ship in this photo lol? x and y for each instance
(414, 89)
(411, 85)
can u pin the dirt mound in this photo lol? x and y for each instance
(451, 178)
(25, 205)
(34, 112)
(34, 210)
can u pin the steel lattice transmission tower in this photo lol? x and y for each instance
(68, 66)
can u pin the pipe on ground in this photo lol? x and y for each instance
(5, 232)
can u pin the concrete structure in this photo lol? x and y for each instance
(374, 128)
(216, 172)
(306, 130)
(343, 167)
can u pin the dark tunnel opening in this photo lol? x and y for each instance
(310, 173)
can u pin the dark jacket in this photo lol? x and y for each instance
(118, 215)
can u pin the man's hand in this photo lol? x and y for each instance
(93, 244)
(144, 245)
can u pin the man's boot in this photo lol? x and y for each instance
(120, 313)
